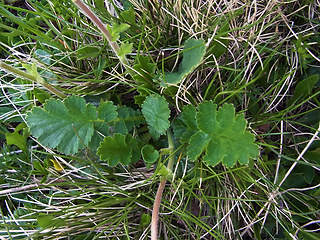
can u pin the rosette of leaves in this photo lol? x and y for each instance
(217, 135)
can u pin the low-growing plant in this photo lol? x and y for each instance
(93, 123)
(117, 134)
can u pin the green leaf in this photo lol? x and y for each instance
(303, 89)
(16, 139)
(88, 52)
(149, 154)
(219, 45)
(45, 220)
(145, 70)
(193, 53)
(125, 48)
(128, 118)
(129, 16)
(308, 235)
(37, 165)
(49, 220)
(156, 111)
(117, 149)
(66, 125)
(116, 29)
(145, 220)
(41, 95)
(100, 66)
(107, 111)
(220, 135)
(43, 56)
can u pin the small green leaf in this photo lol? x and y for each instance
(41, 95)
(37, 165)
(66, 125)
(125, 48)
(145, 220)
(88, 52)
(107, 111)
(43, 56)
(31, 68)
(145, 70)
(127, 119)
(304, 89)
(16, 139)
(45, 220)
(116, 29)
(117, 149)
(149, 154)
(193, 53)
(162, 170)
(156, 111)
(49, 220)
(129, 16)
(100, 66)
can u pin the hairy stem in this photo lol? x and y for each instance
(155, 210)
(157, 200)
(114, 45)
(32, 78)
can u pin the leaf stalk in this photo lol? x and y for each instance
(114, 45)
(157, 200)
(32, 78)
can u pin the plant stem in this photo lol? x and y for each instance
(114, 45)
(157, 200)
(32, 78)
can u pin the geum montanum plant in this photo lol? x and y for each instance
(211, 134)
(118, 134)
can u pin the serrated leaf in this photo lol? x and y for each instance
(187, 125)
(117, 149)
(116, 29)
(193, 53)
(128, 118)
(220, 136)
(125, 48)
(107, 111)
(156, 111)
(66, 125)
(149, 154)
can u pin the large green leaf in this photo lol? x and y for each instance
(219, 134)
(193, 53)
(156, 111)
(72, 124)
(66, 125)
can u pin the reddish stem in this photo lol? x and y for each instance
(155, 212)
